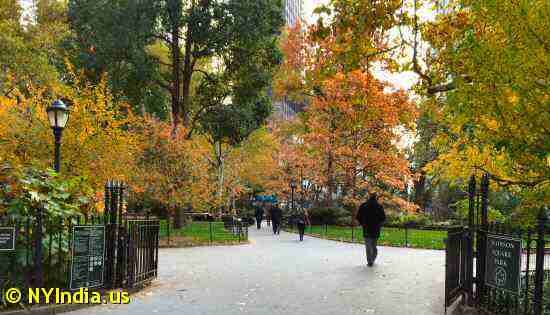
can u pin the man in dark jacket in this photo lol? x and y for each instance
(259, 214)
(276, 218)
(371, 216)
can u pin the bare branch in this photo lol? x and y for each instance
(416, 66)
(507, 182)
(163, 38)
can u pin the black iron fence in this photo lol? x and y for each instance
(115, 249)
(495, 267)
(406, 235)
(202, 229)
(533, 291)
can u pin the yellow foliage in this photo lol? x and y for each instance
(96, 142)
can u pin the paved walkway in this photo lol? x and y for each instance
(279, 275)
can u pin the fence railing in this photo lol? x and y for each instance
(49, 266)
(115, 249)
(203, 232)
(430, 237)
(533, 296)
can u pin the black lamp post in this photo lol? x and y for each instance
(58, 115)
(292, 188)
(304, 187)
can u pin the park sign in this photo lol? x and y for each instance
(88, 250)
(503, 263)
(7, 238)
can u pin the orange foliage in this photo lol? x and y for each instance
(347, 136)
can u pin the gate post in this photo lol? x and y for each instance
(38, 255)
(539, 272)
(470, 234)
(482, 238)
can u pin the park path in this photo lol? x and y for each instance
(279, 275)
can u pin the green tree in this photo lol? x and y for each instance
(29, 53)
(197, 36)
(490, 66)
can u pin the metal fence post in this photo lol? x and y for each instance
(539, 272)
(482, 239)
(326, 230)
(470, 234)
(353, 233)
(210, 229)
(168, 229)
(406, 235)
(38, 250)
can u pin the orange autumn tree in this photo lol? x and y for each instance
(174, 170)
(353, 121)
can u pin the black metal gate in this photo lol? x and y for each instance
(468, 247)
(132, 239)
(143, 238)
(456, 259)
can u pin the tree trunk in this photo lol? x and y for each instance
(176, 73)
(330, 180)
(354, 196)
(221, 165)
(187, 76)
(177, 218)
(420, 191)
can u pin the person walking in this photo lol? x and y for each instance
(259, 214)
(276, 217)
(268, 215)
(301, 219)
(371, 215)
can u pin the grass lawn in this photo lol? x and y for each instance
(390, 236)
(199, 233)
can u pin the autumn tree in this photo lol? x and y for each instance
(30, 50)
(352, 122)
(98, 142)
(487, 75)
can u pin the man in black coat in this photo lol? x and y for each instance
(371, 216)
(259, 214)
(276, 218)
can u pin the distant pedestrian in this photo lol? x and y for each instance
(371, 216)
(276, 218)
(301, 219)
(268, 215)
(259, 214)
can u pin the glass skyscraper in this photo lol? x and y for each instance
(293, 11)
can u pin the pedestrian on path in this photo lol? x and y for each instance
(276, 217)
(259, 214)
(268, 215)
(301, 219)
(371, 216)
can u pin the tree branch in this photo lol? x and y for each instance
(507, 182)
(163, 38)
(416, 66)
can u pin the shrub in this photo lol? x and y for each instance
(332, 216)
(26, 190)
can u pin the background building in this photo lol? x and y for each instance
(293, 12)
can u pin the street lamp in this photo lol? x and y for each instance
(292, 187)
(58, 115)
